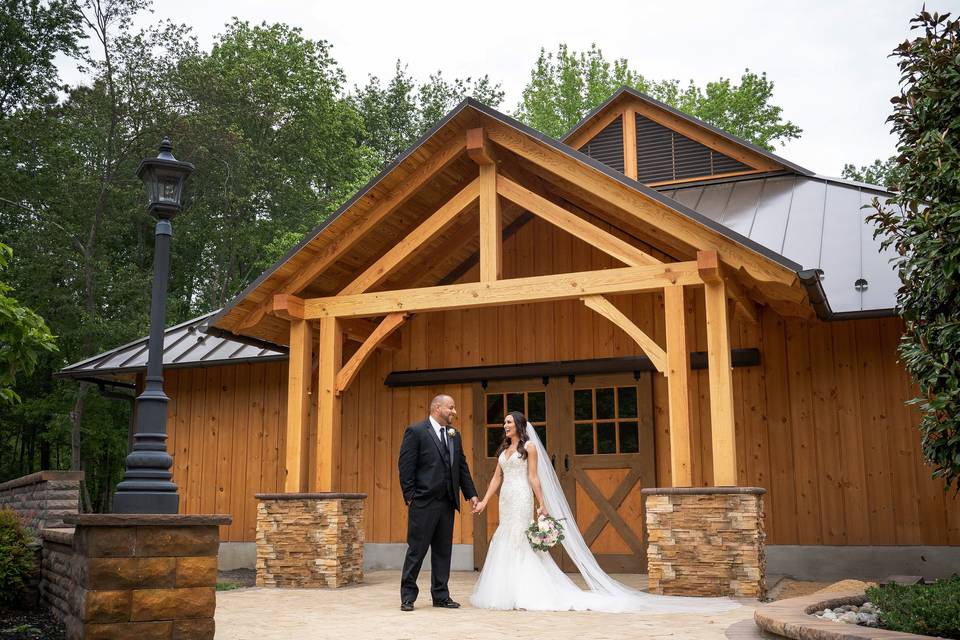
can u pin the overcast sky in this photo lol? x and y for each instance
(829, 60)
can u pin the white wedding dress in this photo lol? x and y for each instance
(515, 576)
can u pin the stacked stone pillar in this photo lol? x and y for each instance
(143, 577)
(706, 541)
(309, 539)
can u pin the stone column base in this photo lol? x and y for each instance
(309, 539)
(706, 541)
(143, 577)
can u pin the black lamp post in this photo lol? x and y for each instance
(147, 486)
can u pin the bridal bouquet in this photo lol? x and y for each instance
(544, 533)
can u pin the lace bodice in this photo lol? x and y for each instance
(516, 496)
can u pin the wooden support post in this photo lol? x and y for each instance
(328, 406)
(630, 143)
(491, 247)
(299, 378)
(722, 428)
(678, 364)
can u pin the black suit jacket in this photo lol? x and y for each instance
(423, 478)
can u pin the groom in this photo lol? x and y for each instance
(433, 471)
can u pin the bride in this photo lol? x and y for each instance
(515, 576)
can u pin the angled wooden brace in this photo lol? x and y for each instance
(350, 370)
(607, 309)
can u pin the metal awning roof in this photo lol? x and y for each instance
(184, 345)
(815, 221)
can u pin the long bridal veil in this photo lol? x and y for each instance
(607, 594)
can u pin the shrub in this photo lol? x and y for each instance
(17, 559)
(925, 609)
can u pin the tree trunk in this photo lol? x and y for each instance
(76, 418)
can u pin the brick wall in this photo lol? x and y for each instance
(43, 498)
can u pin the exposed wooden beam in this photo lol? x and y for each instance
(590, 130)
(681, 471)
(708, 264)
(712, 272)
(402, 251)
(491, 247)
(716, 176)
(327, 472)
(479, 149)
(358, 330)
(630, 142)
(349, 371)
(287, 306)
(299, 379)
(722, 428)
(557, 215)
(566, 286)
(644, 208)
(433, 165)
(650, 347)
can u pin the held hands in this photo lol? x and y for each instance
(478, 506)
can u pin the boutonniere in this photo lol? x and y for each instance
(451, 432)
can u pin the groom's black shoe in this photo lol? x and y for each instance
(446, 604)
(406, 606)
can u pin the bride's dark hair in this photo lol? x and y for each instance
(520, 424)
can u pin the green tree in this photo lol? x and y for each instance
(277, 148)
(395, 115)
(23, 336)
(32, 34)
(922, 224)
(564, 87)
(885, 173)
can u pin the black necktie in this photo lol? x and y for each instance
(446, 447)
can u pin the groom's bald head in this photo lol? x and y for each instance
(443, 409)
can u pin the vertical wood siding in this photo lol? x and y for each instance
(820, 423)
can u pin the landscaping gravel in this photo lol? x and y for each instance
(865, 614)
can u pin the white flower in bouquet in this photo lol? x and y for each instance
(544, 533)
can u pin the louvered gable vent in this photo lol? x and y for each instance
(607, 146)
(664, 154)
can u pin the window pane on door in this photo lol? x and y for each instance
(494, 438)
(541, 430)
(629, 438)
(515, 403)
(606, 437)
(495, 410)
(583, 439)
(537, 409)
(605, 407)
(627, 402)
(583, 404)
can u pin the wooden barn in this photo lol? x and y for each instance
(670, 306)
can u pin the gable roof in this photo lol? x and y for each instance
(629, 93)
(437, 151)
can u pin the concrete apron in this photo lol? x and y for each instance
(372, 610)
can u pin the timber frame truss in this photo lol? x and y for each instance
(339, 316)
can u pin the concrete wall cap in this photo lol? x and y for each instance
(145, 520)
(41, 476)
(704, 491)
(310, 496)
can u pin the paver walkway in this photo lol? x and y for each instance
(372, 610)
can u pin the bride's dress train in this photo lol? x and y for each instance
(515, 576)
